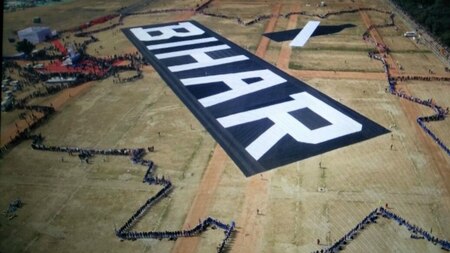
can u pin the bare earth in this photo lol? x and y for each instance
(75, 207)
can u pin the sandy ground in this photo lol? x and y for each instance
(74, 207)
(203, 199)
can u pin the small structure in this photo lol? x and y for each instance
(35, 35)
(37, 20)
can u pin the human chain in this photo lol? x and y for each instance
(287, 15)
(440, 112)
(444, 244)
(201, 10)
(33, 124)
(422, 78)
(136, 156)
(372, 218)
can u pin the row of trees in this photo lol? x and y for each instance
(434, 15)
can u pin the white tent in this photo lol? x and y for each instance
(35, 34)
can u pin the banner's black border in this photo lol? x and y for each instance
(248, 165)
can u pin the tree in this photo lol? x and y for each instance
(25, 46)
(433, 14)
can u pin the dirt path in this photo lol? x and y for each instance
(264, 43)
(285, 52)
(206, 190)
(212, 176)
(412, 112)
(438, 159)
(251, 224)
(336, 74)
(377, 37)
(185, 15)
(202, 200)
(213, 172)
(285, 55)
(57, 102)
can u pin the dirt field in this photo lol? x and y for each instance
(75, 207)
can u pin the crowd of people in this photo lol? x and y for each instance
(89, 24)
(136, 156)
(372, 218)
(88, 69)
(80, 31)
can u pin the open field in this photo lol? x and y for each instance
(74, 207)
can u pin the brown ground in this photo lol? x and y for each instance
(74, 207)
(203, 199)
(57, 102)
(256, 196)
(377, 37)
(285, 52)
(337, 74)
(264, 43)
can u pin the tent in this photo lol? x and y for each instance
(35, 34)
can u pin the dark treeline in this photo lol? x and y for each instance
(434, 15)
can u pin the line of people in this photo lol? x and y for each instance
(303, 13)
(340, 244)
(26, 134)
(128, 79)
(372, 218)
(440, 113)
(422, 78)
(415, 229)
(136, 156)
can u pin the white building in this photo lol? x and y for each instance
(35, 34)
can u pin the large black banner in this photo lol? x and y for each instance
(262, 117)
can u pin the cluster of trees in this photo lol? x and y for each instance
(25, 46)
(434, 15)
